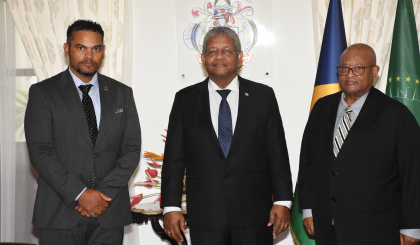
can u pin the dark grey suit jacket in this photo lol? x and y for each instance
(60, 149)
(372, 188)
(239, 189)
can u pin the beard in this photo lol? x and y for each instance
(77, 68)
(86, 74)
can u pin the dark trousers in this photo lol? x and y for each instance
(233, 236)
(332, 237)
(87, 232)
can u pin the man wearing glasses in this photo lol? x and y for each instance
(226, 134)
(360, 162)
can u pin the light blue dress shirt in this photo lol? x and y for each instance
(93, 93)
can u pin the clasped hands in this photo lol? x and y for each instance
(92, 203)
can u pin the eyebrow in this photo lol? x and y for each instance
(96, 46)
(352, 66)
(224, 47)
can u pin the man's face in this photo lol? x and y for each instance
(218, 65)
(356, 86)
(85, 54)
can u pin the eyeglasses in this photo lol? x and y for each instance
(357, 70)
(225, 52)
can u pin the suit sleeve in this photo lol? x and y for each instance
(303, 181)
(281, 177)
(129, 156)
(174, 162)
(409, 166)
(39, 138)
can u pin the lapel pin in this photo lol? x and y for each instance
(106, 88)
(246, 94)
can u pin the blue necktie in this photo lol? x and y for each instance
(225, 122)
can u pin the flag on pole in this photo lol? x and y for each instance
(326, 82)
(404, 64)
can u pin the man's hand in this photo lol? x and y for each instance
(280, 217)
(406, 240)
(92, 201)
(172, 222)
(309, 225)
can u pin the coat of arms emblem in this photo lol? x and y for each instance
(223, 13)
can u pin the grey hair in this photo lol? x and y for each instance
(221, 30)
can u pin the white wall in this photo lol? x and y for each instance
(155, 76)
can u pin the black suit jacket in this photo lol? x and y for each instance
(238, 189)
(372, 188)
(60, 149)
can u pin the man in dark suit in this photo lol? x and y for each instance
(360, 162)
(83, 137)
(226, 134)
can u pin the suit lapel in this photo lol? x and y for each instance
(72, 98)
(243, 110)
(203, 106)
(364, 119)
(107, 94)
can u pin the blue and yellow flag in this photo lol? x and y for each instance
(333, 45)
(326, 82)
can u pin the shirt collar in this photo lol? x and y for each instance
(233, 86)
(356, 106)
(79, 82)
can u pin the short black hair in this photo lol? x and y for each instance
(83, 25)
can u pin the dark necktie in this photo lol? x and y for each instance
(91, 119)
(342, 131)
(89, 112)
(225, 122)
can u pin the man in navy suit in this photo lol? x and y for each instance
(226, 134)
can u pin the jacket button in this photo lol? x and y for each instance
(333, 199)
(226, 176)
(221, 157)
(95, 155)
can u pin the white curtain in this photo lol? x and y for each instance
(365, 21)
(42, 25)
(7, 136)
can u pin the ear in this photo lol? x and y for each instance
(66, 48)
(240, 58)
(203, 59)
(103, 49)
(375, 71)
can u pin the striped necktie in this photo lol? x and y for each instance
(342, 131)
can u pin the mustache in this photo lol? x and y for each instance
(88, 61)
